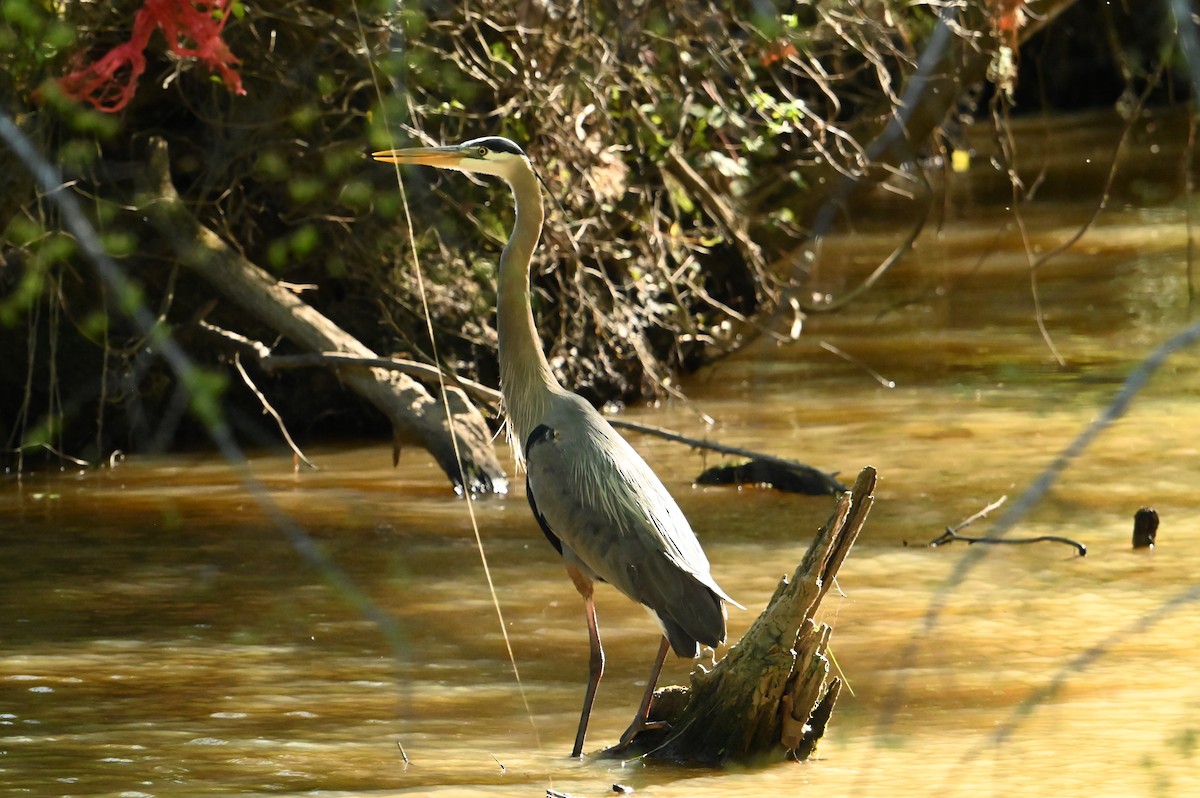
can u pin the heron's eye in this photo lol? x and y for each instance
(483, 151)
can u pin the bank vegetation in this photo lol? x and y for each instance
(692, 154)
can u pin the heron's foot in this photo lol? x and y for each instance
(640, 724)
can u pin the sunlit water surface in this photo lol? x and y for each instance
(162, 637)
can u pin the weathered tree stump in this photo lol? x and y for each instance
(416, 416)
(771, 696)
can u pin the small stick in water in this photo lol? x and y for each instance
(952, 534)
(1145, 528)
(953, 530)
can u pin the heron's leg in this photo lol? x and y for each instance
(596, 661)
(641, 720)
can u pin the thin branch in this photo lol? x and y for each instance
(849, 358)
(952, 533)
(57, 453)
(257, 348)
(831, 304)
(1135, 115)
(237, 363)
(981, 514)
(712, 202)
(1000, 117)
(412, 368)
(949, 536)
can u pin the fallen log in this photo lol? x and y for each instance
(782, 476)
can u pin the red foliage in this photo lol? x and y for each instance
(778, 51)
(192, 29)
(1008, 16)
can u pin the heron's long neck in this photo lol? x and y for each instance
(525, 377)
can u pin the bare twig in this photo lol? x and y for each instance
(59, 454)
(1135, 115)
(1008, 148)
(949, 536)
(952, 533)
(257, 348)
(420, 371)
(981, 514)
(830, 304)
(879, 378)
(237, 363)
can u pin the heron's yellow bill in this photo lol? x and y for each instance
(427, 156)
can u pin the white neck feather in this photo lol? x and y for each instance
(526, 380)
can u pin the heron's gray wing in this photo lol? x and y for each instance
(604, 504)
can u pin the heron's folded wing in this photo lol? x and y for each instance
(601, 500)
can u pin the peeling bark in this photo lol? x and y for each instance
(416, 416)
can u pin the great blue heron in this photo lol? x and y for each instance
(594, 497)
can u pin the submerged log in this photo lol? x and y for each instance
(416, 416)
(771, 696)
(782, 476)
(780, 473)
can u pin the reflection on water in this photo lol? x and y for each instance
(160, 637)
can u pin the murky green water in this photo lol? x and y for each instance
(161, 637)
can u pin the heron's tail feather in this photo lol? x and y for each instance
(694, 614)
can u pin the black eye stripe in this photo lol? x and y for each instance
(494, 144)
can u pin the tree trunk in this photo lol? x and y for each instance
(416, 416)
(771, 696)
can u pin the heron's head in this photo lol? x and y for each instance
(490, 155)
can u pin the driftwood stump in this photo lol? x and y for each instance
(416, 416)
(771, 696)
